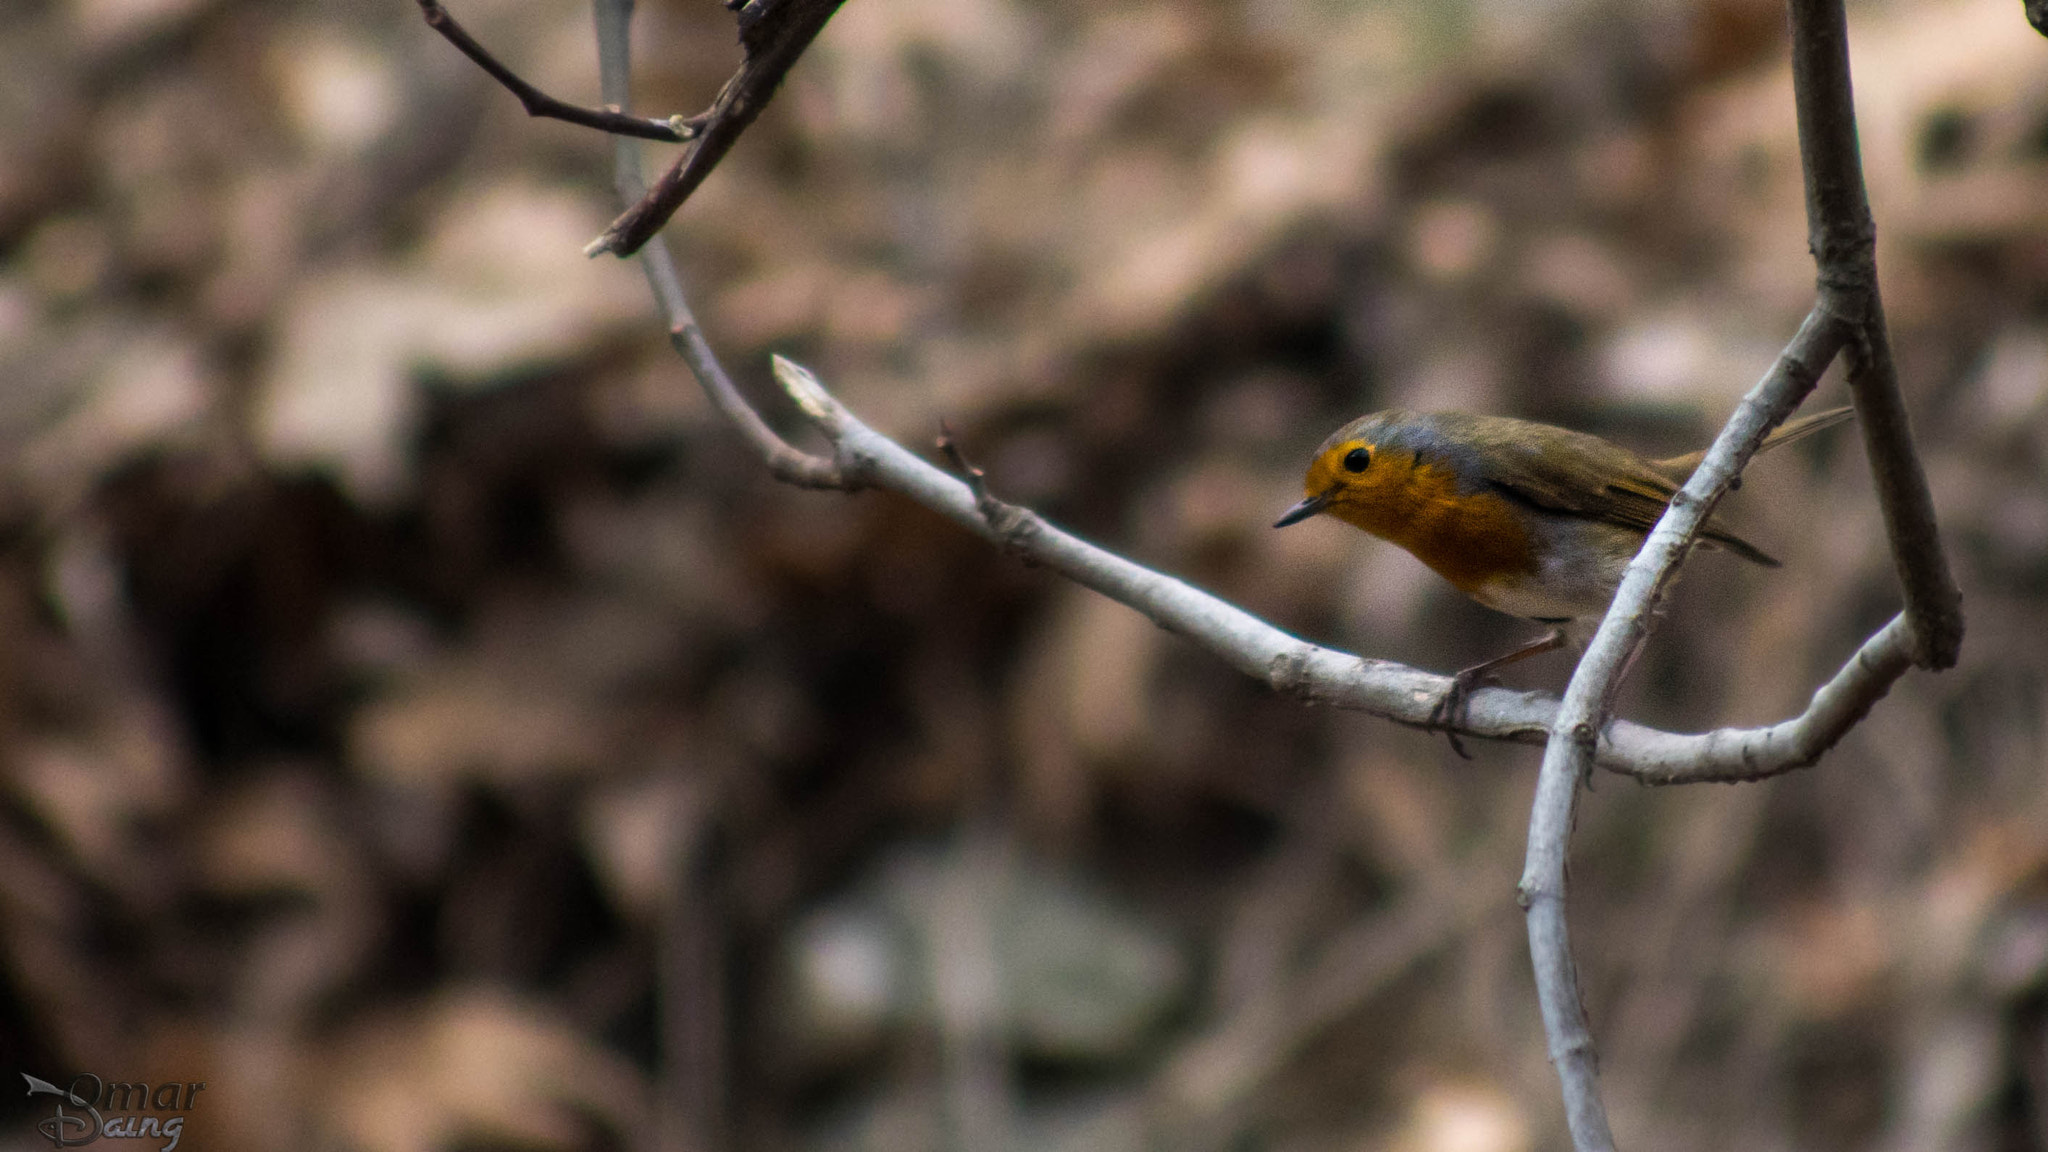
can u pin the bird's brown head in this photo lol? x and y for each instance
(1350, 474)
(1418, 481)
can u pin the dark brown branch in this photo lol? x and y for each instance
(674, 130)
(1843, 237)
(774, 34)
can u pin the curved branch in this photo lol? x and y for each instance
(1843, 237)
(774, 34)
(787, 463)
(1848, 314)
(1569, 755)
(1734, 755)
(1322, 675)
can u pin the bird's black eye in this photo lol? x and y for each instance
(1357, 460)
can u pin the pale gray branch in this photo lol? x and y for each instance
(784, 461)
(1392, 691)
(1731, 755)
(1847, 314)
(1569, 756)
(1324, 675)
(1843, 237)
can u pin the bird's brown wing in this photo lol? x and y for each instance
(1680, 468)
(1600, 481)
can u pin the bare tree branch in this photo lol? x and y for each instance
(1843, 237)
(674, 130)
(1570, 753)
(1847, 314)
(785, 462)
(1392, 691)
(693, 1089)
(1731, 755)
(1321, 675)
(774, 34)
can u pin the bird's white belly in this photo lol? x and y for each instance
(1582, 566)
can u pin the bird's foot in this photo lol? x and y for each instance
(1450, 712)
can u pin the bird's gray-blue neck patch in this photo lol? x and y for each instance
(1435, 438)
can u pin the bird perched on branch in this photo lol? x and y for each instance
(1529, 519)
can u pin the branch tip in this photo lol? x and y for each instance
(803, 387)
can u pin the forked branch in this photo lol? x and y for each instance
(674, 130)
(1847, 315)
(773, 34)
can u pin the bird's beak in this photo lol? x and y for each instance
(1305, 509)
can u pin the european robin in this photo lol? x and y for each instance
(1526, 518)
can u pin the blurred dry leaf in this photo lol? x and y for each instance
(105, 26)
(498, 290)
(640, 834)
(1454, 1117)
(1829, 959)
(475, 1064)
(1098, 682)
(274, 835)
(341, 92)
(95, 794)
(1906, 81)
(148, 392)
(475, 725)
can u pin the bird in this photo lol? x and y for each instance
(1526, 518)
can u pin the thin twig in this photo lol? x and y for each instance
(784, 461)
(1205, 1101)
(1843, 237)
(690, 994)
(774, 34)
(1008, 522)
(693, 1087)
(674, 130)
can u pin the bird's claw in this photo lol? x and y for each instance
(1450, 711)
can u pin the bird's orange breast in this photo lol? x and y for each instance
(1469, 538)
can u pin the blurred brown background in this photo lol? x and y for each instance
(422, 722)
